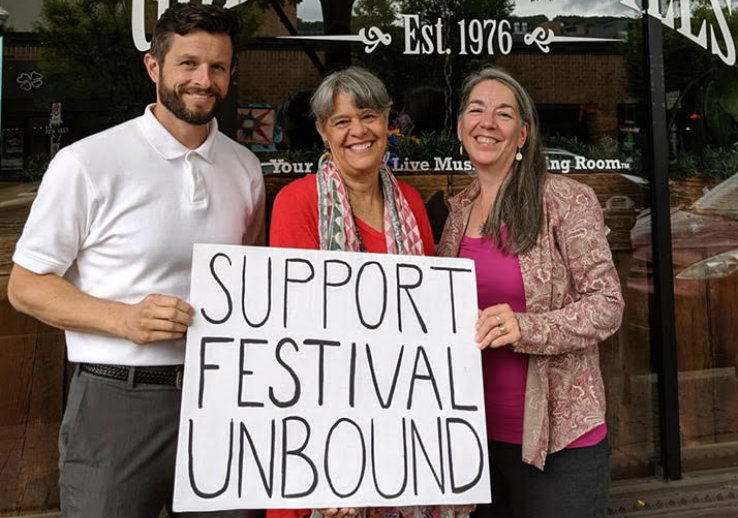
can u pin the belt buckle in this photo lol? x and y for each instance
(178, 379)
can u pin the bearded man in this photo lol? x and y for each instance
(106, 252)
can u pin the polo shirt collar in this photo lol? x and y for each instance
(169, 147)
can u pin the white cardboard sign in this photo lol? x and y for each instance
(319, 379)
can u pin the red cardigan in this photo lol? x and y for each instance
(294, 224)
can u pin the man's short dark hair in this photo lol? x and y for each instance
(183, 19)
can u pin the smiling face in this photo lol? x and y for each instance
(192, 81)
(356, 137)
(491, 128)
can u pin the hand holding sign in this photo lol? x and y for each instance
(154, 318)
(497, 326)
(338, 513)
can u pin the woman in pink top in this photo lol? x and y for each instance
(548, 292)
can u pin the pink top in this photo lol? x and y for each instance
(499, 280)
(573, 301)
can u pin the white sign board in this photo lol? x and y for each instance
(318, 379)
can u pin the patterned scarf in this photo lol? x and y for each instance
(336, 222)
(401, 232)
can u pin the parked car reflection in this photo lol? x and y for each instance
(704, 239)
(705, 262)
(715, 267)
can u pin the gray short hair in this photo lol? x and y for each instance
(363, 88)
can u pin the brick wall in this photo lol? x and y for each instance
(272, 26)
(574, 79)
(271, 75)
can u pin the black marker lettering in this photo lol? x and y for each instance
(384, 295)
(415, 438)
(321, 362)
(453, 386)
(390, 496)
(296, 393)
(407, 287)
(208, 366)
(452, 294)
(269, 294)
(352, 375)
(297, 452)
(425, 377)
(390, 396)
(464, 487)
(268, 484)
(243, 372)
(191, 466)
(327, 454)
(223, 287)
(299, 280)
(333, 284)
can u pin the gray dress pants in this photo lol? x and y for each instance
(117, 449)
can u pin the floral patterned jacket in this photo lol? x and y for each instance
(573, 301)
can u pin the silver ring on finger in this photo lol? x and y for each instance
(498, 319)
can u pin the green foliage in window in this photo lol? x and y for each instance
(89, 57)
(713, 162)
(705, 108)
(91, 64)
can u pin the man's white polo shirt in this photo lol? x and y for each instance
(117, 214)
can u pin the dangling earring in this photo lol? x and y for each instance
(461, 149)
(518, 155)
(326, 154)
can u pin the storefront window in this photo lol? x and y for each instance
(75, 68)
(702, 110)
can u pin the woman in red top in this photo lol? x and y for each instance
(354, 203)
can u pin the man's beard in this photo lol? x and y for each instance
(174, 102)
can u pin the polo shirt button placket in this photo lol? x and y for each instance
(198, 183)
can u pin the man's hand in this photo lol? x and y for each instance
(156, 317)
(53, 300)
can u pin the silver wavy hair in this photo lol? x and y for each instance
(363, 88)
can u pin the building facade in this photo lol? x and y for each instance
(637, 101)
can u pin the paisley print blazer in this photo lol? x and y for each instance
(573, 300)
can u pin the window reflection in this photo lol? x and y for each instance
(588, 91)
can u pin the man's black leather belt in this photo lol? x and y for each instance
(159, 375)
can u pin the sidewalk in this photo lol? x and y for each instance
(706, 494)
(703, 494)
